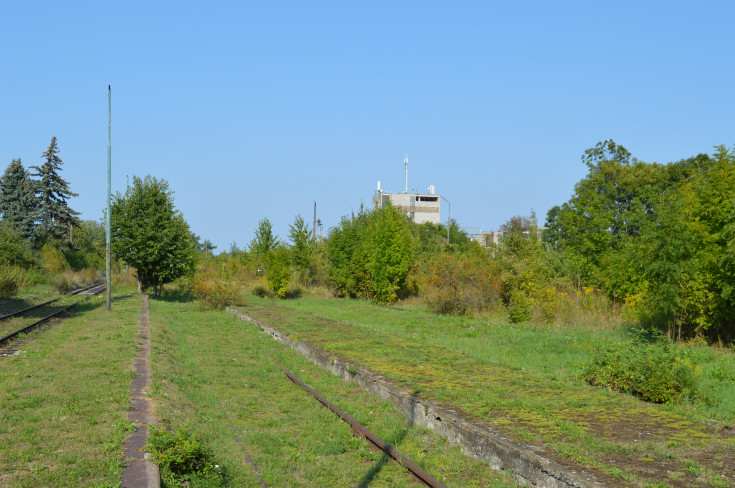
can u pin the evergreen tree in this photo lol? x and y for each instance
(53, 191)
(264, 241)
(18, 203)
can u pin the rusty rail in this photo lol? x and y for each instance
(375, 440)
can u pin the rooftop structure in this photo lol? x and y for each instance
(419, 207)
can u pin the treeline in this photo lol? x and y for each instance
(639, 242)
(658, 237)
(39, 231)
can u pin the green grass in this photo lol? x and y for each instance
(521, 379)
(204, 361)
(64, 400)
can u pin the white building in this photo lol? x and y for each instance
(420, 208)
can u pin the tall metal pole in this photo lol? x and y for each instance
(108, 240)
(449, 216)
(127, 266)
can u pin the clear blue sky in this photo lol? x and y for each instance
(258, 109)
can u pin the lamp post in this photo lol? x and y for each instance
(449, 216)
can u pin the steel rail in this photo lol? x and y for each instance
(375, 440)
(80, 290)
(33, 307)
(32, 326)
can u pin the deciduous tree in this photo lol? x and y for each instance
(302, 248)
(150, 234)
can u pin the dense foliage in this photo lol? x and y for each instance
(657, 237)
(657, 372)
(370, 255)
(18, 202)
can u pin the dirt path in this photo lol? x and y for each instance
(139, 471)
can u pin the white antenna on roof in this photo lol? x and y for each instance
(405, 161)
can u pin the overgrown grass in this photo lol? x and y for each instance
(524, 380)
(212, 372)
(68, 280)
(562, 353)
(64, 400)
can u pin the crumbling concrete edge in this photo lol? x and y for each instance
(476, 441)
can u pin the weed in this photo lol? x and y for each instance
(214, 294)
(262, 292)
(184, 459)
(655, 372)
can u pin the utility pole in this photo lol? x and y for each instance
(108, 230)
(313, 229)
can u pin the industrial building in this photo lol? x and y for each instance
(419, 207)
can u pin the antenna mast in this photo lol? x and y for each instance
(405, 162)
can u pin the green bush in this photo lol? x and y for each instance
(214, 294)
(279, 273)
(261, 291)
(52, 260)
(460, 284)
(12, 279)
(657, 372)
(14, 250)
(519, 308)
(184, 460)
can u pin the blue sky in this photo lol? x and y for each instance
(258, 109)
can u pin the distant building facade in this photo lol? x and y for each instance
(420, 208)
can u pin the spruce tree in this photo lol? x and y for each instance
(53, 191)
(18, 202)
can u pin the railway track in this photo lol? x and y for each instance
(359, 429)
(49, 302)
(10, 343)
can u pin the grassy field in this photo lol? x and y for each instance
(523, 380)
(64, 400)
(213, 373)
